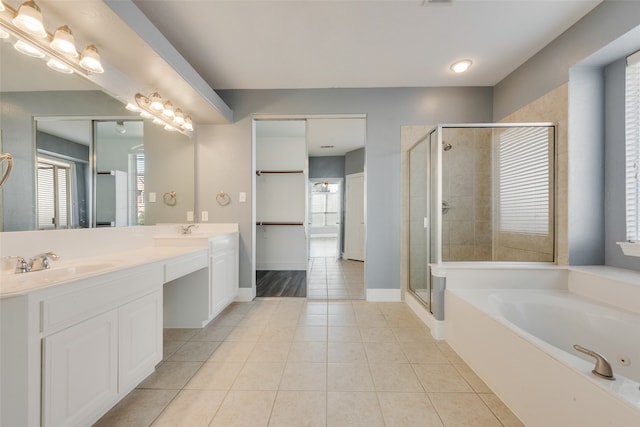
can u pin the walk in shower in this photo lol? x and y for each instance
(480, 192)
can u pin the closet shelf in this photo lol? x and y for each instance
(259, 172)
(260, 223)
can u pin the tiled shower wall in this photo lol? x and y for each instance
(466, 187)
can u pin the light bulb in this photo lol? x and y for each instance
(169, 128)
(27, 49)
(29, 19)
(3, 34)
(132, 107)
(90, 60)
(461, 66)
(188, 124)
(1, 7)
(145, 115)
(158, 121)
(179, 117)
(167, 109)
(58, 66)
(64, 42)
(156, 102)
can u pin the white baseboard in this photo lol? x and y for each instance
(384, 295)
(270, 266)
(246, 294)
(437, 327)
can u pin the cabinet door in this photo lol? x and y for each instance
(80, 371)
(218, 272)
(140, 340)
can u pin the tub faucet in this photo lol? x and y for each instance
(603, 368)
(42, 261)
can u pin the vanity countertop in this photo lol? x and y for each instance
(66, 271)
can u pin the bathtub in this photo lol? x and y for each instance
(516, 327)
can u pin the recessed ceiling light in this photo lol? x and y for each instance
(461, 66)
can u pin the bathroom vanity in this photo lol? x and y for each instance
(75, 339)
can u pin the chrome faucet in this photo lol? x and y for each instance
(21, 265)
(186, 229)
(42, 261)
(603, 368)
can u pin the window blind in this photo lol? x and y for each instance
(523, 180)
(632, 147)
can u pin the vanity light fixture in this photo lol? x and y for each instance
(26, 27)
(461, 66)
(162, 112)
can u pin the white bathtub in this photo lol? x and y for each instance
(516, 327)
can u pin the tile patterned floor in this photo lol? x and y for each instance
(296, 362)
(334, 278)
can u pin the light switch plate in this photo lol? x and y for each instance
(205, 215)
(242, 197)
(190, 216)
(152, 197)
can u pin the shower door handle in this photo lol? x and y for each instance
(445, 207)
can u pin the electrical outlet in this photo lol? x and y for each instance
(190, 216)
(205, 215)
(152, 197)
(242, 197)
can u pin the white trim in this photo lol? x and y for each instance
(630, 248)
(246, 295)
(384, 295)
(281, 266)
(437, 327)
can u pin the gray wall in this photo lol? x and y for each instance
(549, 68)
(224, 156)
(354, 161)
(326, 167)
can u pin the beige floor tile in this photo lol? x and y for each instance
(228, 319)
(449, 353)
(178, 334)
(313, 319)
(349, 377)
(215, 376)
(353, 409)
(474, 380)
(423, 352)
(213, 333)
(310, 333)
(233, 351)
(259, 376)
(404, 321)
(463, 409)
(270, 352)
(385, 352)
(377, 334)
(171, 375)
(191, 408)
(344, 334)
(395, 377)
(245, 333)
(299, 409)
(346, 352)
(342, 320)
(245, 409)
(371, 320)
(441, 378)
(279, 333)
(414, 335)
(170, 347)
(308, 351)
(340, 308)
(304, 376)
(500, 410)
(138, 408)
(315, 308)
(283, 321)
(408, 410)
(194, 351)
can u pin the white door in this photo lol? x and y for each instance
(354, 215)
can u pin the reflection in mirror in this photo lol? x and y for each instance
(28, 90)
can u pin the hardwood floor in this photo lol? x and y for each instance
(281, 283)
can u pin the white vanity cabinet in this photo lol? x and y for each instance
(223, 272)
(72, 351)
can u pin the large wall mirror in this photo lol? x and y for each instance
(80, 159)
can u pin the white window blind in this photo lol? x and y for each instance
(523, 180)
(632, 147)
(53, 195)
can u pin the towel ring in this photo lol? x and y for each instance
(169, 198)
(223, 198)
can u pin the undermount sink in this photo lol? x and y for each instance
(57, 273)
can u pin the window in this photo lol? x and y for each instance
(632, 147)
(325, 205)
(524, 180)
(54, 201)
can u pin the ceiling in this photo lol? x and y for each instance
(265, 44)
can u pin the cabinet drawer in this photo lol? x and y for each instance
(184, 265)
(98, 295)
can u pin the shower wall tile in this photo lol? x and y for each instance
(483, 232)
(461, 208)
(483, 252)
(461, 252)
(461, 233)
